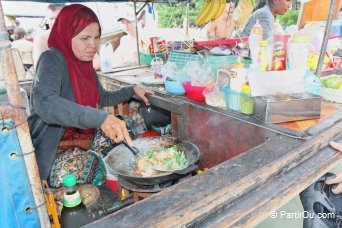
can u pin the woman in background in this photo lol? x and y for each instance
(265, 13)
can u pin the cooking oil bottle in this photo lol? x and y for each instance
(74, 213)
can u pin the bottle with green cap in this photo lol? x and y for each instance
(74, 213)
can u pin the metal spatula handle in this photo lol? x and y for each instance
(136, 151)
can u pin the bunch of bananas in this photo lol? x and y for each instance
(210, 11)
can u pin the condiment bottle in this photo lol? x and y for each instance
(74, 213)
(257, 30)
(253, 41)
(247, 101)
(263, 58)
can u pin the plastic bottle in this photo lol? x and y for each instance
(247, 101)
(253, 41)
(263, 57)
(257, 30)
(74, 213)
(298, 53)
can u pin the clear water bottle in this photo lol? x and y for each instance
(157, 64)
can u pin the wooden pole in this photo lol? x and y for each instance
(11, 81)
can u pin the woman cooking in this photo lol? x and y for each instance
(64, 102)
(265, 14)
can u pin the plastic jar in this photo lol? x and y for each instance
(298, 53)
(156, 65)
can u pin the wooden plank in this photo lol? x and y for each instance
(253, 210)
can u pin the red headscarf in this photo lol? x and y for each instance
(71, 21)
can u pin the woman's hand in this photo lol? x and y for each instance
(337, 146)
(338, 178)
(141, 92)
(116, 130)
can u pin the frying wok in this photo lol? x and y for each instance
(121, 160)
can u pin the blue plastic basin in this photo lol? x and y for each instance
(174, 85)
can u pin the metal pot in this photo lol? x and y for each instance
(121, 161)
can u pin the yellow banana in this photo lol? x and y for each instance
(214, 7)
(220, 10)
(201, 15)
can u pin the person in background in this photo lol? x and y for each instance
(222, 28)
(17, 23)
(24, 47)
(40, 42)
(265, 13)
(126, 53)
(10, 30)
(68, 131)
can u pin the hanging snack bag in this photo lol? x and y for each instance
(279, 52)
(157, 44)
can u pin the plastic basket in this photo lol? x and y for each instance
(217, 61)
(146, 58)
(182, 58)
(336, 27)
(238, 101)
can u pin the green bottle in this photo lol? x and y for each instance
(74, 213)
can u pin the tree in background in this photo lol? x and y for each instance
(173, 14)
(289, 18)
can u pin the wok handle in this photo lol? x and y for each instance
(187, 170)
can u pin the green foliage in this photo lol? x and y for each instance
(173, 15)
(289, 18)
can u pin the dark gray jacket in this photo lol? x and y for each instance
(53, 107)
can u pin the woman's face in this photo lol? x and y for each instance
(86, 43)
(282, 6)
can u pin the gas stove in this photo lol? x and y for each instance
(140, 192)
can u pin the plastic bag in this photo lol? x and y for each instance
(106, 53)
(213, 94)
(200, 71)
